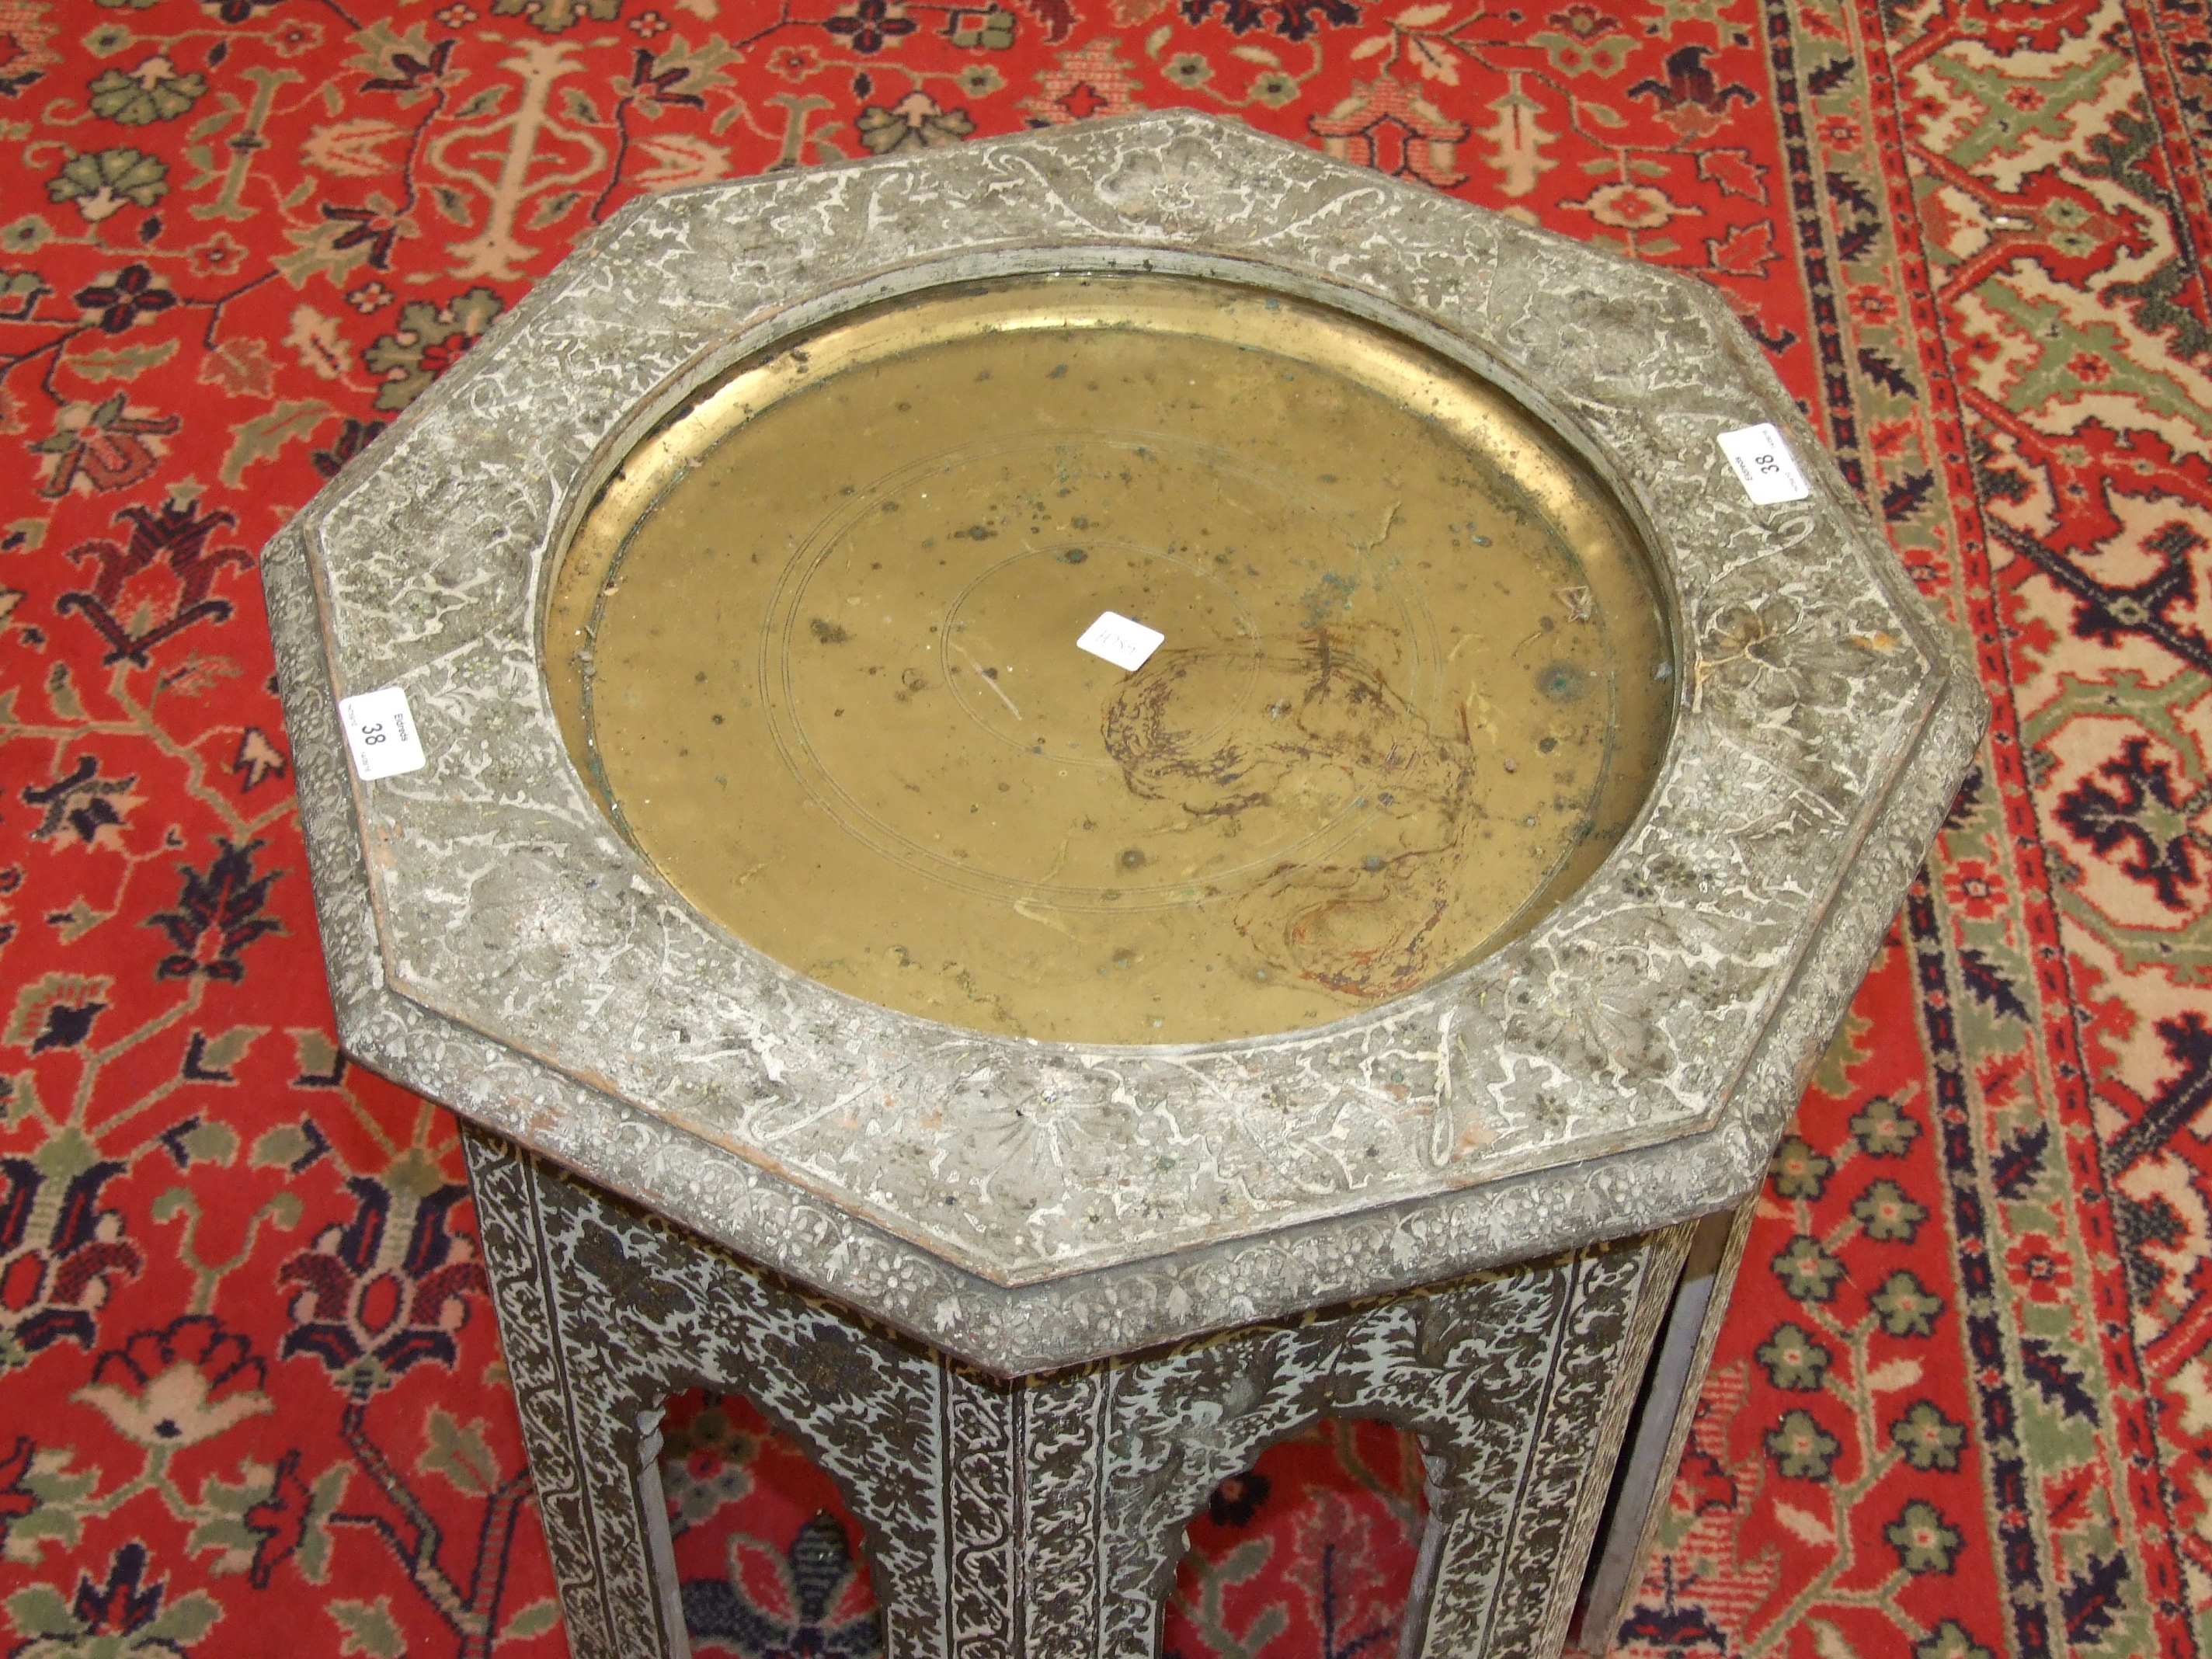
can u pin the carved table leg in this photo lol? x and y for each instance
(1042, 1517)
(586, 1454)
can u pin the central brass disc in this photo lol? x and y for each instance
(815, 648)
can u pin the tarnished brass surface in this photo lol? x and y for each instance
(814, 649)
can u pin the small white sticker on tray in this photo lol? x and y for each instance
(1763, 461)
(1124, 643)
(379, 729)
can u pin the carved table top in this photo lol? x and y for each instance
(493, 942)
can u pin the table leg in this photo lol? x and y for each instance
(1042, 1517)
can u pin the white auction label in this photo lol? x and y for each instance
(1764, 463)
(379, 729)
(1124, 643)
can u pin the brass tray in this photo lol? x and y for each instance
(814, 648)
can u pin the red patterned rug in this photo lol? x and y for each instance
(251, 1399)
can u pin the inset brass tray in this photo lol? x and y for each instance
(815, 647)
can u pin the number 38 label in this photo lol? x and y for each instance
(1766, 466)
(379, 729)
